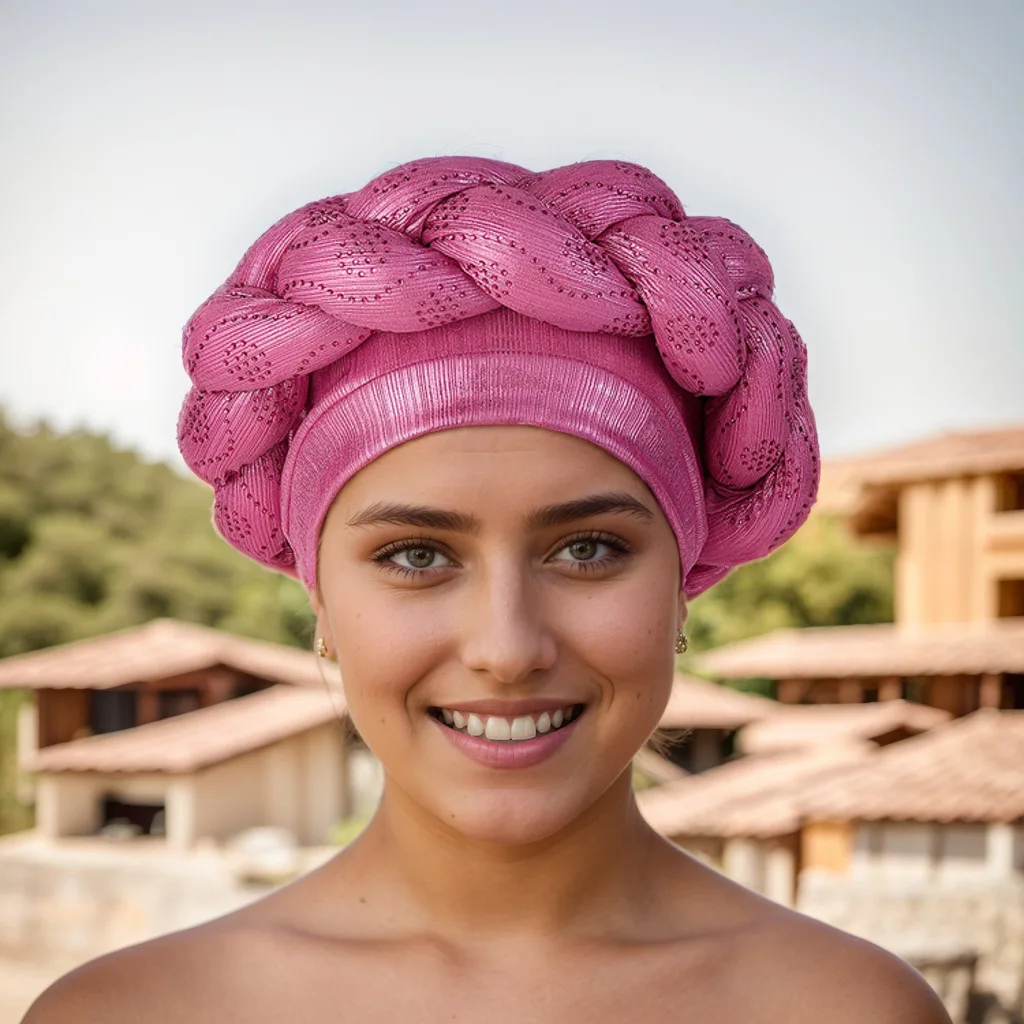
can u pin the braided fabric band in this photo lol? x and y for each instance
(599, 248)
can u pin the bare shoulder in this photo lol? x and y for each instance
(819, 973)
(162, 981)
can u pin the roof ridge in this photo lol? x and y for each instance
(160, 623)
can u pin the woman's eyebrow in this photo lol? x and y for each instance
(583, 508)
(415, 515)
(460, 522)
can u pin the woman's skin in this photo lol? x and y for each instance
(479, 893)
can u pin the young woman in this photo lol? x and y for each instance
(502, 425)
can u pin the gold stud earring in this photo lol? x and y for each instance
(681, 642)
(321, 647)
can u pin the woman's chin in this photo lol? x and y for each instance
(513, 818)
(517, 820)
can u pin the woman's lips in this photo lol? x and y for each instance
(509, 753)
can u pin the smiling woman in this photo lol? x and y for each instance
(523, 581)
(501, 425)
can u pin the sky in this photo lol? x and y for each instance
(874, 149)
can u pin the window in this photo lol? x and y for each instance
(1010, 492)
(178, 702)
(961, 843)
(1013, 691)
(112, 710)
(1011, 598)
(138, 818)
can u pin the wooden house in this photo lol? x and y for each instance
(181, 731)
(954, 507)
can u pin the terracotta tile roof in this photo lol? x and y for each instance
(792, 727)
(969, 770)
(697, 704)
(156, 650)
(960, 453)
(754, 796)
(197, 739)
(877, 651)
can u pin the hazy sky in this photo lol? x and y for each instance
(874, 149)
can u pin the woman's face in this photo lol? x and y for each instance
(501, 580)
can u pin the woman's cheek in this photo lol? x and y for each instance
(633, 634)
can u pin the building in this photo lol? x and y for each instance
(184, 732)
(921, 849)
(742, 817)
(801, 726)
(914, 842)
(954, 507)
(700, 722)
(745, 818)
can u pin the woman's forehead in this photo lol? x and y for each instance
(491, 472)
(467, 457)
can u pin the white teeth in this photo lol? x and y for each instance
(494, 727)
(523, 728)
(498, 729)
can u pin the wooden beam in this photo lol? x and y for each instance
(890, 688)
(148, 706)
(990, 692)
(791, 691)
(851, 691)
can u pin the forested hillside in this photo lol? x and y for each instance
(93, 538)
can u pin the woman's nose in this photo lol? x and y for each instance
(505, 632)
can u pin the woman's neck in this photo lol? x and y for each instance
(596, 876)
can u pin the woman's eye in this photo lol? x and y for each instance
(587, 549)
(418, 558)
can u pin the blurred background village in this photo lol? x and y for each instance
(845, 734)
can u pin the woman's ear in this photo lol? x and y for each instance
(317, 606)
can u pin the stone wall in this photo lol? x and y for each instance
(73, 900)
(943, 927)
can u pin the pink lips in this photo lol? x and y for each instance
(516, 754)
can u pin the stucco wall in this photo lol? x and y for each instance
(767, 867)
(67, 805)
(298, 783)
(949, 852)
(230, 796)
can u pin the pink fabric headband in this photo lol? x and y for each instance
(456, 291)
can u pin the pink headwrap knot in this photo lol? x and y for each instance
(600, 246)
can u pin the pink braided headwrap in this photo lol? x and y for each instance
(460, 291)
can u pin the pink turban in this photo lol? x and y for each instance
(459, 291)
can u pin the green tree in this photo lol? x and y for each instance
(94, 538)
(822, 577)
